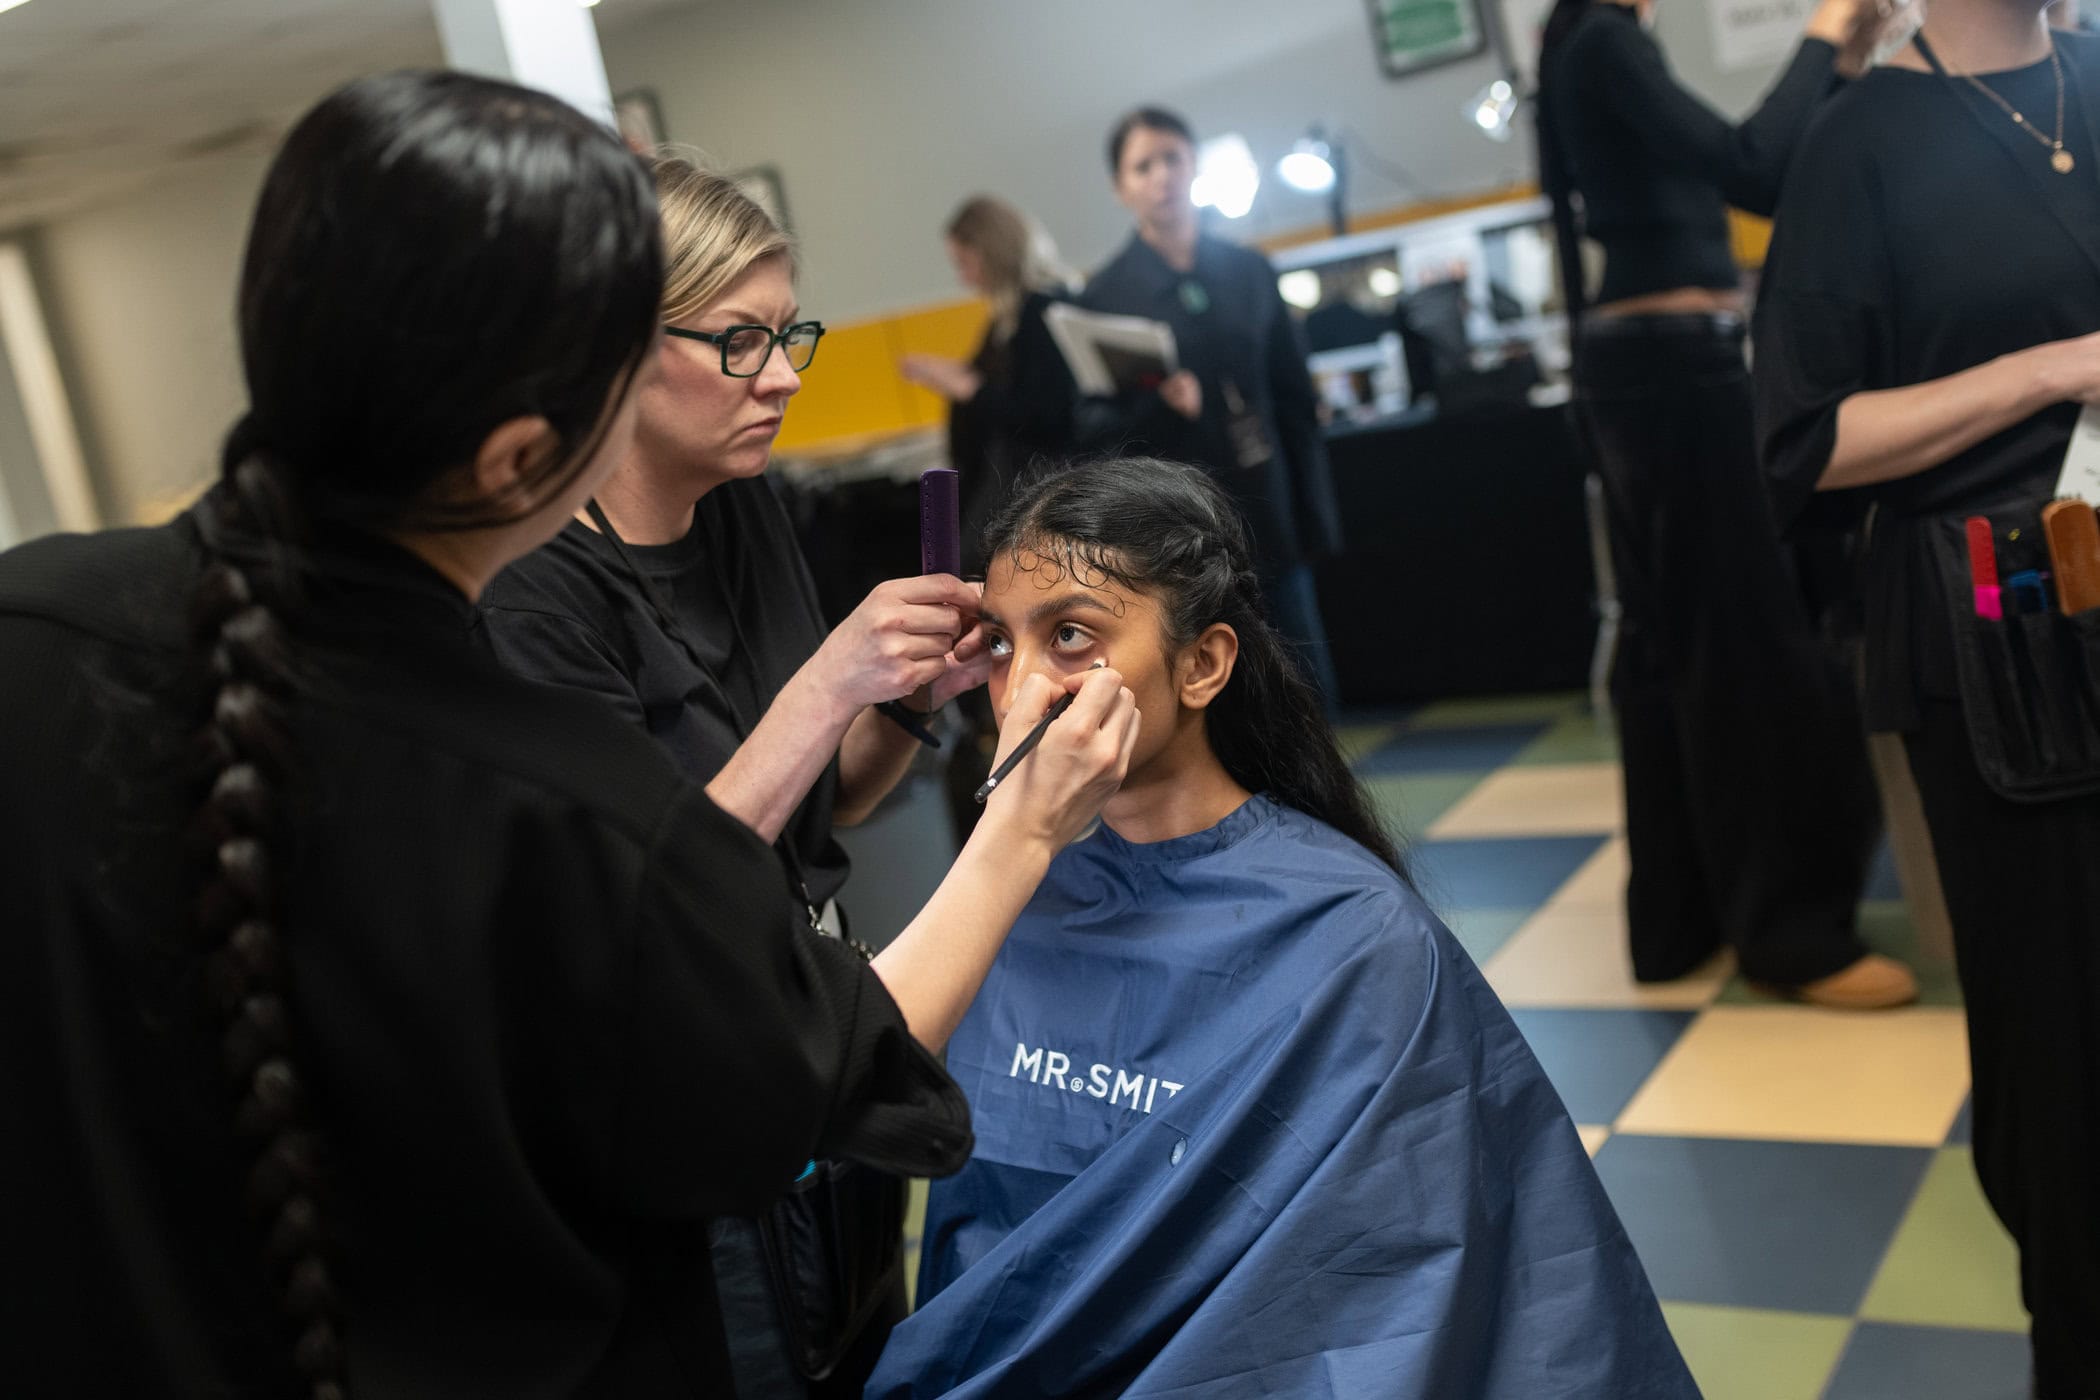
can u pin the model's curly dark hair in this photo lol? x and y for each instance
(1170, 530)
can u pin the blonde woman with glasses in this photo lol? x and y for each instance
(680, 596)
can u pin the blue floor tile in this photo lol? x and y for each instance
(1886, 1362)
(1881, 876)
(1963, 1133)
(1520, 872)
(1598, 1060)
(1442, 750)
(1790, 1226)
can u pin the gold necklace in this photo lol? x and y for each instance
(2060, 160)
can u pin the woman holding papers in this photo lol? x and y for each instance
(1751, 812)
(1011, 403)
(1929, 328)
(1242, 405)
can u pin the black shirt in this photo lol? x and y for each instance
(1655, 166)
(570, 614)
(1922, 233)
(551, 1013)
(1235, 334)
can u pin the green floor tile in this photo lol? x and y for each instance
(1484, 931)
(1360, 739)
(1951, 1263)
(1576, 738)
(1495, 709)
(1410, 805)
(914, 1232)
(1886, 927)
(1745, 1354)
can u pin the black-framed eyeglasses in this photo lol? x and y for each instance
(745, 349)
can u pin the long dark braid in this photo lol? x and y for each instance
(1168, 529)
(434, 255)
(239, 633)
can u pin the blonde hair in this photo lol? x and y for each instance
(1014, 255)
(713, 234)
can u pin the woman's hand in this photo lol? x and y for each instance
(1852, 27)
(1082, 760)
(951, 379)
(969, 666)
(1183, 393)
(896, 641)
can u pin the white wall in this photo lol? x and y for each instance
(882, 115)
(142, 294)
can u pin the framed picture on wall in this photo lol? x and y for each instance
(762, 184)
(640, 119)
(1411, 35)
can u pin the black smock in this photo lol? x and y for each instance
(1751, 813)
(1020, 417)
(1924, 234)
(570, 614)
(551, 1005)
(1235, 334)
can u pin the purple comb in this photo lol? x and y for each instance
(940, 522)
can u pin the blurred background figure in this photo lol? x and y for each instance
(1243, 406)
(1011, 402)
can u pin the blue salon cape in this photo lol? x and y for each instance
(1250, 1123)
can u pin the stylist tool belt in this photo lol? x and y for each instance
(2024, 592)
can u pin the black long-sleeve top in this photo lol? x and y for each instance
(551, 1003)
(1922, 233)
(1236, 336)
(1655, 166)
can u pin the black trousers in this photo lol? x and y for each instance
(1751, 812)
(2023, 892)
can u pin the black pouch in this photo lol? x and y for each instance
(2030, 683)
(835, 1249)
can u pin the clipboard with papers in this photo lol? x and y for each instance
(1109, 354)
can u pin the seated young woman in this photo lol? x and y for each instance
(1249, 1121)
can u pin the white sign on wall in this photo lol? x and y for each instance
(1748, 33)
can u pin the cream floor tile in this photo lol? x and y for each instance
(1574, 954)
(1593, 1137)
(1805, 1074)
(1601, 882)
(1570, 799)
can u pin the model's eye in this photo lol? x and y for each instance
(1071, 638)
(998, 646)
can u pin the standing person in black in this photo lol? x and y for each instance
(374, 1023)
(1751, 811)
(1009, 408)
(1928, 328)
(680, 597)
(1243, 406)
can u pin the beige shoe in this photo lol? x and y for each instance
(1874, 983)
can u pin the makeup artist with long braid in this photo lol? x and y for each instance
(1751, 812)
(374, 1023)
(1928, 331)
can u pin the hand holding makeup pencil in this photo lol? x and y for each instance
(1079, 757)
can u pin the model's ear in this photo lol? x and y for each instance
(1205, 665)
